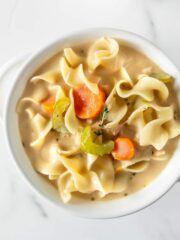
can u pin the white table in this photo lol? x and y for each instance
(29, 24)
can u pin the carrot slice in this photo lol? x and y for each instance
(87, 104)
(123, 149)
(48, 104)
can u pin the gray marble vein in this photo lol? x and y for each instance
(39, 207)
(12, 13)
(150, 20)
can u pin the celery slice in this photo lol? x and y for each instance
(164, 77)
(57, 118)
(88, 146)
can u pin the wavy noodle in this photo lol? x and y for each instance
(104, 52)
(125, 76)
(72, 58)
(104, 169)
(40, 92)
(161, 155)
(38, 123)
(141, 160)
(90, 160)
(76, 76)
(69, 144)
(49, 90)
(117, 109)
(136, 165)
(72, 123)
(50, 164)
(99, 178)
(50, 77)
(35, 100)
(39, 141)
(66, 186)
(164, 123)
(145, 88)
(58, 90)
(25, 100)
(30, 112)
(85, 181)
(53, 177)
(141, 163)
(50, 86)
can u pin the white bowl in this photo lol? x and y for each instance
(102, 209)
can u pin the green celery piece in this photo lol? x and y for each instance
(164, 77)
(88, 146)
(57, 119)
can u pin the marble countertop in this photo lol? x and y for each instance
(24, 27)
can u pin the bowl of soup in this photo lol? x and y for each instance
(92, 122)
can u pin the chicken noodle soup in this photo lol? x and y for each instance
(99, 119)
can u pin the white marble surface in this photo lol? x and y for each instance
(25, 26)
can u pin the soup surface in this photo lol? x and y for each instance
(99, 120)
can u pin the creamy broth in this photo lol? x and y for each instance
(135, 63)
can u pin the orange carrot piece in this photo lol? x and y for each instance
(87, 104)
(48, 104)
(123, 149)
